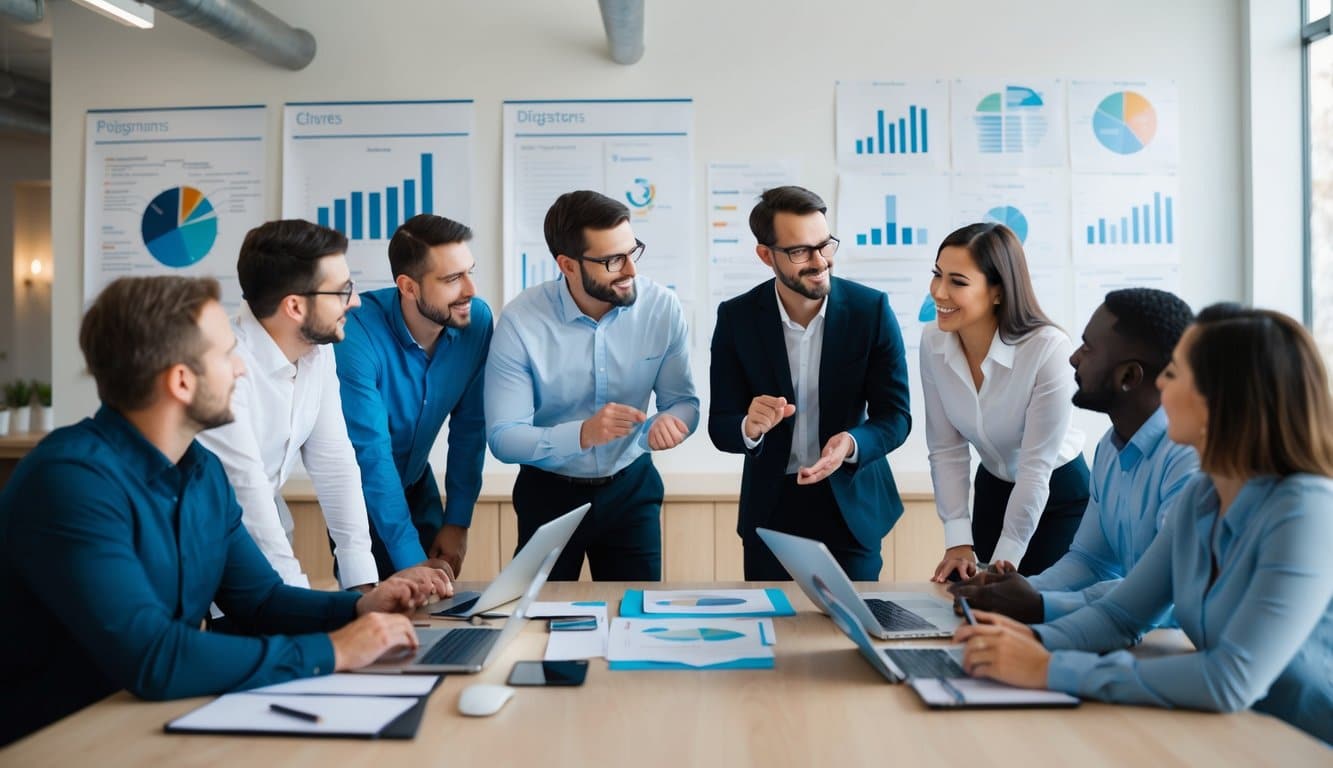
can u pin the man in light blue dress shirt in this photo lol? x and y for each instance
(572, 366)
(1136, 474)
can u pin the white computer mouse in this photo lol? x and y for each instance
(483, 699)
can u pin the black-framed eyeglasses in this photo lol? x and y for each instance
(345, 292)
(616, 261)
(800, 254)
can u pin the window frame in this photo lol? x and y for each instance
(1311, 32)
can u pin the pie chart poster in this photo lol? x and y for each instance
(171, 192)
(1124, 126)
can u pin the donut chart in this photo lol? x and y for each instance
(179, 226)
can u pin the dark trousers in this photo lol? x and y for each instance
(622, 533)
(812, 512)
(1055, 530)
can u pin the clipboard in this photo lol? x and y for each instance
(976, 693)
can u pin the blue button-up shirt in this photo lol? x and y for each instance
(1263, 629)
(551, 367)
(110, 555)
(1133, 485)
(395, 400)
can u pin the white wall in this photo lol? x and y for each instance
(761, 73)
(25, 324)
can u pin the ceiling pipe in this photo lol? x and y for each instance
(247, 26)
(14, 119)
(25, 92)
(22, 11)
(623, 20)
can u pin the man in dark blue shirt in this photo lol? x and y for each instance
(414, 355)
(117, 532)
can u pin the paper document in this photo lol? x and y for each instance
(697, 601)
(569, 646)
(691, 642)
(338, 715)
(350, 684)
(973, 692)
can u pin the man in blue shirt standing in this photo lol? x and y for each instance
(117, 532)
(415, 355)
(1137, 471)
(571, 370)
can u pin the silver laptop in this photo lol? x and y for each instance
(895, 664)
(886, 615)
(467, 649)
(518, 574)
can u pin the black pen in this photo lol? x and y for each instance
(309, 717)
(967, 611)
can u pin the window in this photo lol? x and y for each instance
(1319, 171)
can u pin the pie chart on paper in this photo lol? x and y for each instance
(1125, 122)
(179, 227)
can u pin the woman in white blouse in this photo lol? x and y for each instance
(996, 376)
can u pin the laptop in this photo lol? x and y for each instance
(518, 574)
(886, 615)
(896, 665)
(467, 649)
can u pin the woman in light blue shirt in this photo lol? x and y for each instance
(1244, 556)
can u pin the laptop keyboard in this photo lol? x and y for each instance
(457, 608)
(925, 662)
(465, 645)
(895, 618)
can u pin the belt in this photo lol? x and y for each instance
(586, 482)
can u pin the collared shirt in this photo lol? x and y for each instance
(805, 350)
(1263, 628)
(283, 411)
(1133, 486)
(1019, 423)
(395, 399)
(110, 555)
(551, 367)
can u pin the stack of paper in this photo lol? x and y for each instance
(697, 603)
(691, 644)
(568, 646)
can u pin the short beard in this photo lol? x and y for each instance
(1100, 400)
(816, 293)
(444, 319)
(607, 293)
(207, 414)
(316, 335)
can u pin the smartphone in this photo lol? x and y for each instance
(573, 624)
(549, 672)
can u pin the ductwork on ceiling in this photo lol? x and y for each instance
(623, 20)
(22, 11)
(25, 104)
(246, 26)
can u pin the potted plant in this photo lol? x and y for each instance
(18, 396)
(44, 419)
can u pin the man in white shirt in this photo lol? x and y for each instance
(298, 289)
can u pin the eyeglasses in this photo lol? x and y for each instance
(616, 261)
(800, 254)
(345, 292)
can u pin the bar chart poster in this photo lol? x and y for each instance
(891, 216)
(171, 191)
(637, 151)
(1124, 126)
(893, 126)
(1125, 218)
(365, 167)
(1034, 204)
(1001, 124)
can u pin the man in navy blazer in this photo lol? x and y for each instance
(809, 381)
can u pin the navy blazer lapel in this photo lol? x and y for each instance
(837, 317)
(768, 327)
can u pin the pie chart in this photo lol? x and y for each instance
(1125, 122)
(1012, 218)
(179, 226)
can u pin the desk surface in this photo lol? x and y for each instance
(822, 705)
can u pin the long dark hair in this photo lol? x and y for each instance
(999, 255)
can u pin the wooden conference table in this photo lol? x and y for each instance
(822, 705)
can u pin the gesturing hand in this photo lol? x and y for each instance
(666, 432)
(764, 414)
(836, 451)
(611, 422)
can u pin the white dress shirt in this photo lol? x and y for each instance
(283, 409)
(805, 350)
(1019, 422)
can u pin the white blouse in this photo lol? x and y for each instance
(1019, 423)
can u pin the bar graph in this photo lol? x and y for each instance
(892, 233)
(535, 269)
(1151, 223)
(363, 215)
(906, 134)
